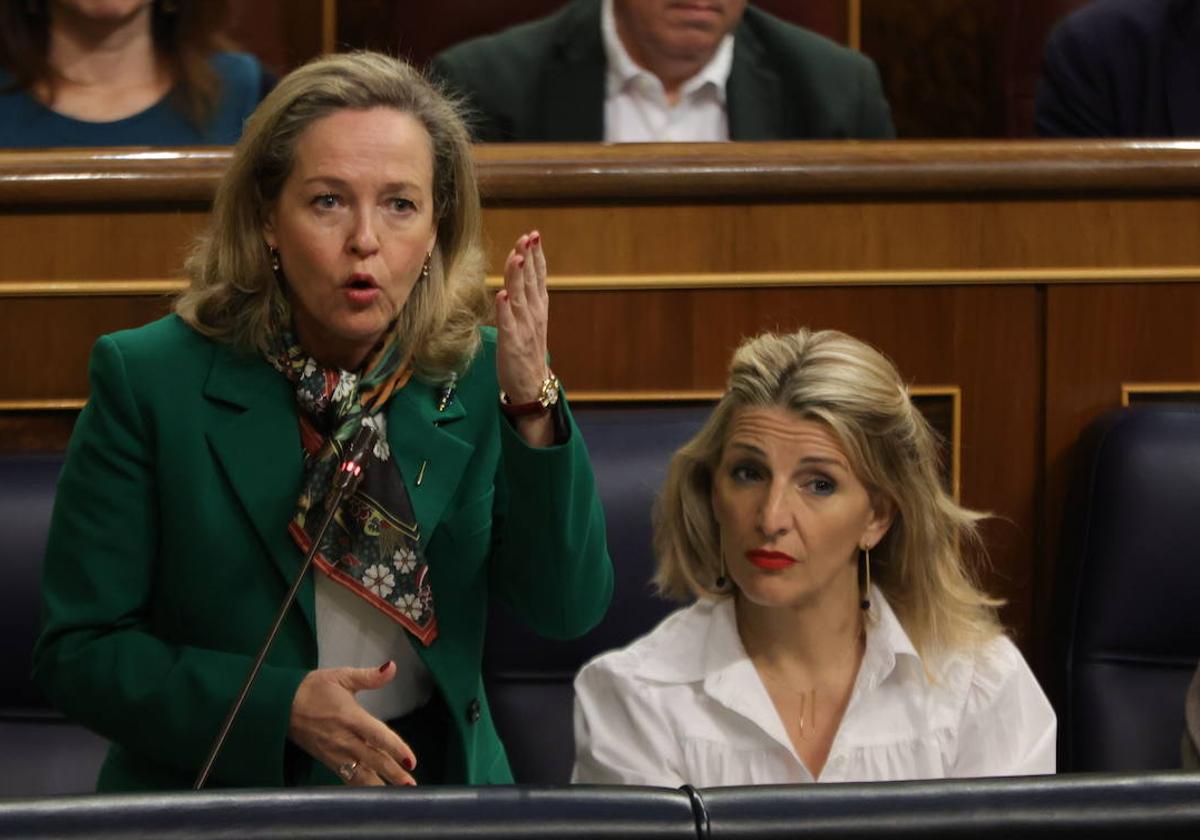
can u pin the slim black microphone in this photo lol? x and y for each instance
(345, 480)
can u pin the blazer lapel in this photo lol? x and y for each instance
(573, 81)
(1182, 69)
(752, 94)
(258, 448)
(431, 458)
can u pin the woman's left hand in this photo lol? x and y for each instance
(522, 316)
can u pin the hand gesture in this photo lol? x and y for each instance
(522, 316)
(328, 724)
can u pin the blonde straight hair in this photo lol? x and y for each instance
(925, 565)
(233, 288)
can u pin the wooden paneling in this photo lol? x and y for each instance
(282, 33)
(941, 64)
(1008, 271)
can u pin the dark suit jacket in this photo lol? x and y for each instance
(169, 555)
(1123, 68)
(545, 81)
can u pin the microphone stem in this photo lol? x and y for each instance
(223, 734)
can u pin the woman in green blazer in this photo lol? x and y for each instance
(340, 285)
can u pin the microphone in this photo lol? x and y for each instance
(345, 481)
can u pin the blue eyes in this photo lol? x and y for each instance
(330, 201)
(822, 486)
(744, 474)
(818, 485)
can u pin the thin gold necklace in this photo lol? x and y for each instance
(808, 707)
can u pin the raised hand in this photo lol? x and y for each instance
(522, 317)
(328, 724)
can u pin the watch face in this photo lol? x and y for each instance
(550, 390)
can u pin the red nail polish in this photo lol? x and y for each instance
(535, 239)
(407, 764)
(383, 667)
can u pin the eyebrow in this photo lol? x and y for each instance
(811, 459)
(340, 183)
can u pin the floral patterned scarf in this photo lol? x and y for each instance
(371, 547)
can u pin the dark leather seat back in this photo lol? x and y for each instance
(42, 752)
(429, 813)
(1129, 590)
(1082, 806)
(529, 678)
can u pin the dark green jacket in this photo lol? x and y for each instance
(169, 555)
(545, 81)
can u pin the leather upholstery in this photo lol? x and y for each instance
(42, 753)
(445, 813)
(529, 678)
(1085, 807)
(1159, 806)
(1129, 591)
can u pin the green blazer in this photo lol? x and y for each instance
(545, 81)
(168, 556)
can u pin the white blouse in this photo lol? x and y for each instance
(684, 705)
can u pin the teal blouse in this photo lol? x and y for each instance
(26, 123)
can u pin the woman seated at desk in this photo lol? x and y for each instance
(838, 633)
(122, 73)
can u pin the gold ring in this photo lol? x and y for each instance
(348, 769)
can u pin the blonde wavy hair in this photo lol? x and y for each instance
(925, 565)
(233, 289)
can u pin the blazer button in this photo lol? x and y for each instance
(474, 712)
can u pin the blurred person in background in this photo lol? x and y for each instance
(1123, 68)
(122, 73)
(665, 70)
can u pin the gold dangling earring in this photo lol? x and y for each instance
(275, 265)
(425, 267)
(865, 577)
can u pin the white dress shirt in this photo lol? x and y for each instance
(685, 705)
(636, 109)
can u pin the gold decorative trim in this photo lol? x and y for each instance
(65, 404)
(715, 280)
(642, 396)
(918, 277)
(954, 392)
(1131, 389)
(854, 24)
(90, 288)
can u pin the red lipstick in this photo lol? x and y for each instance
(771, 561)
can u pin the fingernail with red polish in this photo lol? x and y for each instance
(406, 763)
(384, 666)
(535, 238)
